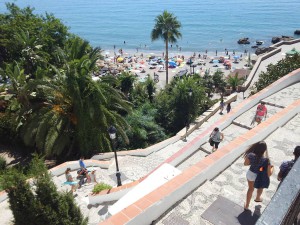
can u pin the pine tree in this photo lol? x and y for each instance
(42, 204)
(21, 199)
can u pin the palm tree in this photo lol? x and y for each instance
(70, 113)
(234, 81)
(167, 28)
(126, 81)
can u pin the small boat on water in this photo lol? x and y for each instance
(259, 42)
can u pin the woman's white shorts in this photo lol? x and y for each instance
(251, 176)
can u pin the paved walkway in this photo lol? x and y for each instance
(231, 183)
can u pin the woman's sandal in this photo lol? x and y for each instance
(258, 200)
(246, 209)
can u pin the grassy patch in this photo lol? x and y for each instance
(100, 187)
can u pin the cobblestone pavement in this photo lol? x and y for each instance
(291, 94)
(232, 184)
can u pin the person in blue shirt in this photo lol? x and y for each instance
(286, 166)
(84, 170)
(254, 157)
(81, 163)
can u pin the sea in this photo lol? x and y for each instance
(212, 25)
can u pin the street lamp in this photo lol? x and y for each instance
(187, 124)
(112, 134)
(194, 68)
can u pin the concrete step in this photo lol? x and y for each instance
(284, 97)
(192, 159)
(247, 117)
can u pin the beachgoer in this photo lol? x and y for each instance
(124, 42)
(83, 168)
(259, 166)
(216, 52)
(205, 51)
(286, 166)
(180, 49)
(69, 178)
(222, 104)
(228, 107)
(215, 138)
(261, 112)
(93, 176)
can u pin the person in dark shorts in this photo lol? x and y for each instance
(215, 138)
(286, 166)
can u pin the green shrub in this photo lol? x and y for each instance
(100, 187)
(8, 127)
(2, 163)
(275, 72)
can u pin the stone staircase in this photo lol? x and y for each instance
(232, 184)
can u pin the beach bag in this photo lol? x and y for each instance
(211, 142)
(263, 180)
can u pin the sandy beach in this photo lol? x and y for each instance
(139, 63)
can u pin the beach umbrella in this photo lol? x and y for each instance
(236, 57)
(171, 63)
(120, 59)
(142, 62)
(293, 52)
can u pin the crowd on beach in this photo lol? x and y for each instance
(146, 62)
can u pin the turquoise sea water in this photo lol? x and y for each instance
(206, 24)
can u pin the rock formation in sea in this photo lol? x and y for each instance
(244, 41)
(297, 32)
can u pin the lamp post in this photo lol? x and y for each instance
(112, 134)
(194, 68)
(187, 125)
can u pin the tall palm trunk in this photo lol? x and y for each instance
(167, 62)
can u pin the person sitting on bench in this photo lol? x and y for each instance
(70, 180)
(84, 169)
